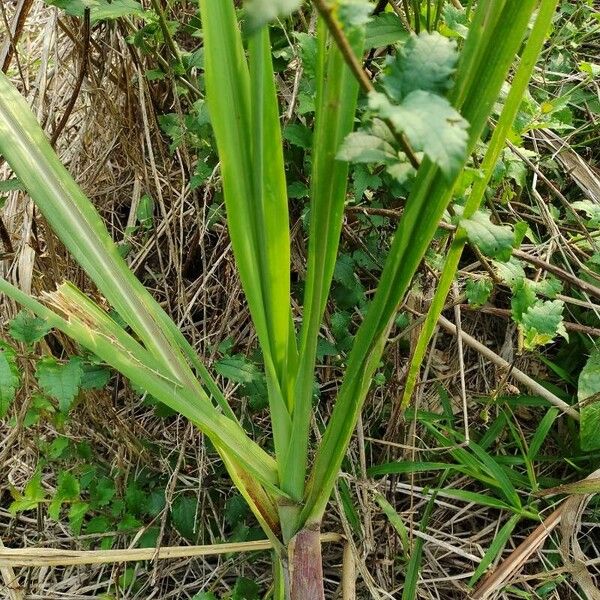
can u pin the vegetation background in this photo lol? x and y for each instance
(90, 463)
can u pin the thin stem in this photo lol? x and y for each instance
(164, 27)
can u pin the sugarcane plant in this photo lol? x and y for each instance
(429, 109)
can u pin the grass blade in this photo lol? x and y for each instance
(431, 194)
(497, 143)
(336, 106)
(495, 548)
(80, 228)
(243, 105)
(114, 346)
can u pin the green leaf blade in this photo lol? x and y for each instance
(61, 381)
(587, 393)
(431, 125)
(10, 378)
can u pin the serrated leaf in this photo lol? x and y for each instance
(456, 20)
(344, 270)
(495, 241)
(340, 325)
(308, 52)
(297, 190)
(523, 298)
(426, 63)
(510, 272)
(550, 286)
(32, 495)
(364, 180)
(589, 388)
(262, 11)
(237, 368)
(542, 322)
(98, 524)
(236, 510)
(363, 147)
(354, 13)
(61, 381)
(102, 491)
(431, 125)
(298, 135)
(478, 291)
(591, 209)
(383, 30)
(9, 377)
(245, 589)
(28, 328)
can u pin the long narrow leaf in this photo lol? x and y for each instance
(336, 107)
(497, 143)
(73, 217)
(424, 209)
(245, 121)
(113, 347)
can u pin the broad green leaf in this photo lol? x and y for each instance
(550, 286)
(510, 272)
(95, 377)
(591, 209)
(426, 63)
(245, 589)
(383, 30)
(98, 524)
(100, 10)
(523, 298)
(588, 389)
(542, 322)
(28, 328)
(32, 495)
(67, 490)
(9, 377)
(77, 513)
(236, 510)
(431, 125)
(298, 135)
(183, 516)
(61, 381)
(237, 368)
(478, 291)
(495, 241)
(456, 19)
(362, 180)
